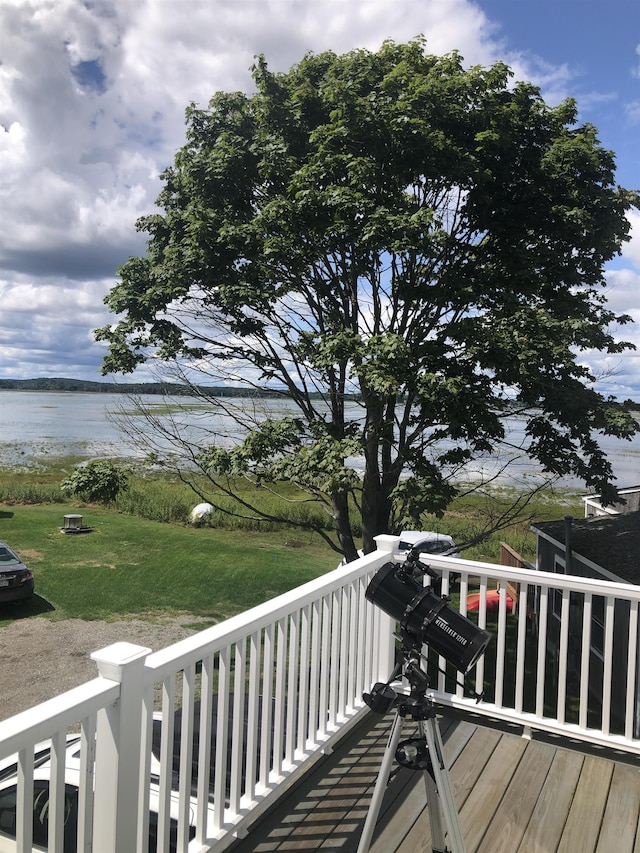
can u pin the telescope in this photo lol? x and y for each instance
(425, 617)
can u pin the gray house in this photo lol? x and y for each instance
(605, 545)
(629, 502)
(600, 546)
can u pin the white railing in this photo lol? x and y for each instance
(252, 700)
(191, 743)
(269, 689)
(565, 658)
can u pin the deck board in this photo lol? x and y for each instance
(620, 821)
(505, 831)
(549, 816)
(479, 810)
(585, 815)
(513, 795)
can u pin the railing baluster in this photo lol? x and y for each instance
(204, 745)
(608, 665)
(303, 681)
(24, 805)
(464, 591)
(563, 654)
(325, 664)
(292, 686)
(166, 759)
(585, 661)
(632, 672)
(482, 623)
(541, 664)
(353, 656)
(334, 667)
(221, 738)
(501, 644)
(280, 697)
(371, 620)
(186, 756)
(343, 657)
(521, 646)
(85, 792)
(360, 638)
(237, 729)
(145, 766)
(253, 711)
(57, 790)
(315, 672)
(267, 705)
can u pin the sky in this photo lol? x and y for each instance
(92, 100)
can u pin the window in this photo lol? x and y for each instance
(8, 802)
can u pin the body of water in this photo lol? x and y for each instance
(35, 425)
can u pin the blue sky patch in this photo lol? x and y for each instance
(90, 75)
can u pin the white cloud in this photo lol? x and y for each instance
(636, 69)
(80, 160)
(92, 100)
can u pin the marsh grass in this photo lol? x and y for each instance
(467, 517)
(143, 556)
(155, 496)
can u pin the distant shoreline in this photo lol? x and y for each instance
(166, 388)
(160, 388)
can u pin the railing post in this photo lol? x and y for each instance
(118, 750)
(386, 645)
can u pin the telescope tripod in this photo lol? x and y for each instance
(422, 753)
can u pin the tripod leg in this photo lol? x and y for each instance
(433, 805)
(443, 786)
(381, 785)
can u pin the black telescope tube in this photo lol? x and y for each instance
(427, 618)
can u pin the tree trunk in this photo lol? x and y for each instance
(376, 511)
(377, 484)
(340, 503)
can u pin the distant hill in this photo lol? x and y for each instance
(82, 385)
(176, 390)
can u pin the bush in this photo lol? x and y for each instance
(100, 481)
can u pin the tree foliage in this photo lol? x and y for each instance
(392, 227)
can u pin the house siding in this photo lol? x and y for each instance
(551, 555)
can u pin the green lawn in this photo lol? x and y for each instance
(128, 566)
(131, 565)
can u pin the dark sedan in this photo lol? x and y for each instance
(16, 580)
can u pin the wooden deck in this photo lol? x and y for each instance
(513, 795)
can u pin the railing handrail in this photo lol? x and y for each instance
(534, 577)
(60, 712)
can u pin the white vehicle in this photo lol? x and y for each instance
(42, 773)
(41, 776)
(428, 542)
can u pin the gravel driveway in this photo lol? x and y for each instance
(41, 659)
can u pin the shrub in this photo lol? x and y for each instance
(99, 481)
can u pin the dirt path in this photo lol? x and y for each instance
(40, 659)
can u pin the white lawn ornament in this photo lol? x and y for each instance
(199, 514)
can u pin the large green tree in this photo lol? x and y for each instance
(407, 249)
